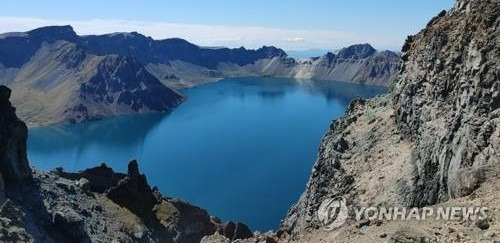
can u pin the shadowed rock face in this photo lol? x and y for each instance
(134, 193)
(13, 134)
(123, 85)
(14, 169)
(234, 231)
(436, 137)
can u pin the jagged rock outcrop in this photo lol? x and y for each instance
(161, 219)
(435, 138)
(134, 193)
(99, 178)
(235, 231)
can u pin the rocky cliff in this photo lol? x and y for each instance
(435, 140)
(447, 101)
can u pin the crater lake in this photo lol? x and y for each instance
(242, 148)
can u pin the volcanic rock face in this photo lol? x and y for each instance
(123, 86)
(134, 193)
(13, 134)
(435, 138)
(14, 169)
(447, 101)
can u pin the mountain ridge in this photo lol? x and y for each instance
(46, 67)
(155, 52)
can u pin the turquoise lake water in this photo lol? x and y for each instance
(242, 148)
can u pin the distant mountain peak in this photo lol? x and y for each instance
(273, 51)
(16, 50)
(64, 32)
(330, 55)
(357, 51)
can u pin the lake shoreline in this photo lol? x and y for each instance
(213, 135)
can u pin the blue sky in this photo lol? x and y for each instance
(290, 24)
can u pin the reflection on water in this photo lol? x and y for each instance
(241, 148)
(332, 91)
(123, 133)
(272, 95)
(108, 132)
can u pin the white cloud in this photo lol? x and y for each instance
(209, 35)
(295, 39)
